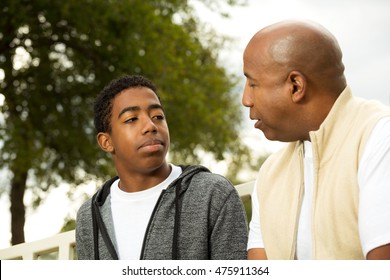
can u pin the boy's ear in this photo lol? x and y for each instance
(298, 86)
(104, 141)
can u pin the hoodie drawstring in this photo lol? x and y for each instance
(98, 224)
(95, 230)
(177, 221)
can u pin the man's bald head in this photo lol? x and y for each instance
(302, 46)
(294, 74)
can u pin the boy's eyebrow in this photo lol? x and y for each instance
(138, 108)
(155, 106)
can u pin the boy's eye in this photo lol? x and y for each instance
(130, 120)
(159, 117)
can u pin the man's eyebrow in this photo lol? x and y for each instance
(138, 108)
(248, 76)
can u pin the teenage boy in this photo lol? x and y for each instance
(154, 209)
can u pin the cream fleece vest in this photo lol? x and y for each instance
(337, 148)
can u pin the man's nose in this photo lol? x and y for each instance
(247, 100)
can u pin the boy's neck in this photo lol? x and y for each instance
(143, 181)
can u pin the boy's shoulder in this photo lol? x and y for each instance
(207, 182)
(85, 208)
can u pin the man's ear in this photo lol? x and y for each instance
(298, 86)
(104, 141)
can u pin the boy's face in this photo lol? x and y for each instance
(139, 138)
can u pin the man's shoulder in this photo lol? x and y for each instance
(283, 154)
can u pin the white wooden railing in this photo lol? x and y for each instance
(245, 188)
(62, 246)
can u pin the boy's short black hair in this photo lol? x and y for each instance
(103, 103)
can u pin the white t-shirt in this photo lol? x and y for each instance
(374, 197)
(131, 213)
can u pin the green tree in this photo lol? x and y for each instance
(57, 55)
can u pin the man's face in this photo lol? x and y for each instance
(139, 138)
(267, 96)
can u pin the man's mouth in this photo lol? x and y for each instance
(258, 124)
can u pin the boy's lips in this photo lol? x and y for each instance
(153, 144)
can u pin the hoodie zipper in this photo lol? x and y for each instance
(150, 222)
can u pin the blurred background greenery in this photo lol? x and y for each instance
(55, 56)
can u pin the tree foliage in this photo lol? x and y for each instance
(57, 55)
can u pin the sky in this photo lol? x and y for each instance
(363, 32)
(362, 29)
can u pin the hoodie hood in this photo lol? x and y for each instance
(188, 171)
(178, 186)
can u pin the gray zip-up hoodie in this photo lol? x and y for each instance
(199, 216)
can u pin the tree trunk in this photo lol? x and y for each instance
(18, 187)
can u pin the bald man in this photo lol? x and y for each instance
(326, 195)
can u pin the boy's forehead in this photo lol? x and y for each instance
(137, 96)
(137, 93)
